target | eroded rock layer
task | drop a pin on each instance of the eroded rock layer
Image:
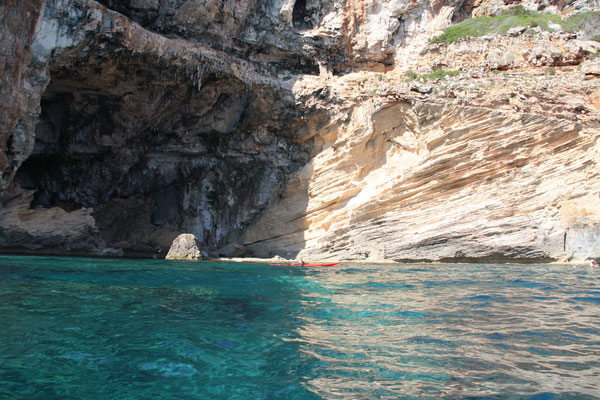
(410, 180)
(317, 128)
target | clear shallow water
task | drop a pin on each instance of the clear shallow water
(147, 329)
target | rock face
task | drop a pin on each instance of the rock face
(20, 101)
(48, 230)
(291, 128)
(441, 181)
(185, 247)
(166, 134)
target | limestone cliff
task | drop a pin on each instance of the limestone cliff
(330, 129)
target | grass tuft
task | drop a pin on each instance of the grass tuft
(588, 22)
(437, 74)
(411, 75)
(440, 74)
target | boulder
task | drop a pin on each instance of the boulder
(48, 230)
(185, 247)
(516, 31)
(500, 59)
(544, 55)
(423, 89)
(555, 27)
(577, 50)
(591, 67)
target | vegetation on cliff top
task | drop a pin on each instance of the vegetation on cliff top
(437, 74)
(589, 22)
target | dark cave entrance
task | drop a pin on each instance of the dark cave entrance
(151, 157)
(70, 156)
(47, 159)
(301, 17)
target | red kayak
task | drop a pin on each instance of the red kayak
(307, 265)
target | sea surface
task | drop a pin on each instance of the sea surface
(78, 328)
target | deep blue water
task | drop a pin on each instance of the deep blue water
(76, 328)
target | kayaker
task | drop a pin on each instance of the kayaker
(301, 261)
(593, 263)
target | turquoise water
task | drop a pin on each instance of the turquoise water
(75, 328)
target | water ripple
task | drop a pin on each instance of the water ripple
(129, 329)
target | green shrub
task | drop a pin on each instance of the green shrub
(440, 74)
(411, 75)
(473, 27)
(437, 74)
(589, 22)
(517, 10)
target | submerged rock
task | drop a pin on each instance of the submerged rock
(185, 247)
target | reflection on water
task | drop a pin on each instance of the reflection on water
(455, 331)
(132, 329)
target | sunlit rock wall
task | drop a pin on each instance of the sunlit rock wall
(421, 181)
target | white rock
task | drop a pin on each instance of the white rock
(185, 247)
(555, 27)
(516, 31)
(500, 59)
(591, 67)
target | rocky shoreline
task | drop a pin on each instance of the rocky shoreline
(280, 260)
